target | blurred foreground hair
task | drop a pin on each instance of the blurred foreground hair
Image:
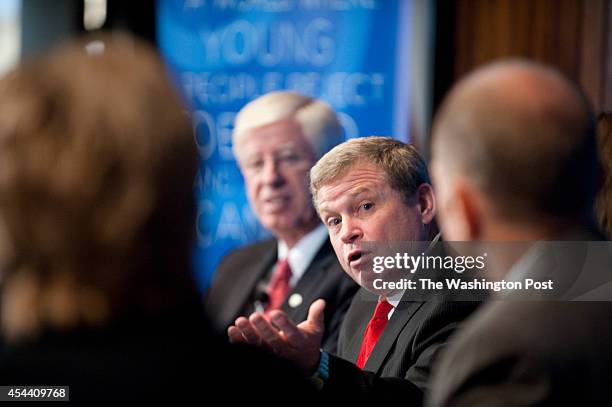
(97, 162)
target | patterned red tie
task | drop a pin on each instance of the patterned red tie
(373, 330)
(279, 287)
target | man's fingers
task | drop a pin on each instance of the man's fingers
(267, 332)
(291, 331)
(235, 335)
(248, 331)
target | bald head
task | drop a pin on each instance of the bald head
(524, 135)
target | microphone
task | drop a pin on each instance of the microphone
(261, 297)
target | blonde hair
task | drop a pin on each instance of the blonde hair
(402, 165)
(317, 120)
(98, 162)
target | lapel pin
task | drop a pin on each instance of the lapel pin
(295, 300)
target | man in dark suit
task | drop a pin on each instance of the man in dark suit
(277, 138)
(514, 159)
(372, 189)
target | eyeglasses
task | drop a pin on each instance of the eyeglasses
(285, 159)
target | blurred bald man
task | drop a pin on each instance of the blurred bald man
(514, 159)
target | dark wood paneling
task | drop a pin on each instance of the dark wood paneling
(608, 70)
(572, 35)
(592, 49)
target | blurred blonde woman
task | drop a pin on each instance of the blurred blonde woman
(97, 163)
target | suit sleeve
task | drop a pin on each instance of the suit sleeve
(348, 383)
(470, 375)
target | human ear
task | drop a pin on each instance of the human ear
(426, 203)
(467, 212)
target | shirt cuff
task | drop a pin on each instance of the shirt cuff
(322, 373)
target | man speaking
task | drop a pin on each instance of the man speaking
(372, 189)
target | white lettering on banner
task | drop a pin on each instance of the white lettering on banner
(219, 180)
(215, 135)
(279, 6)
(303, 82)
(316, 40)
(270, 44)
(239, 43)
(352, 89)
(270, 6)
(225, 126)
(271, 81)
(230, 224)
(340, 89)
(219, 88)
(337, 5)
(205, 137)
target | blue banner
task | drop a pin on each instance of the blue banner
(224, 53)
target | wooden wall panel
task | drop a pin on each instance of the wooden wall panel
(608, 70)
(572, 35)
(592, 68)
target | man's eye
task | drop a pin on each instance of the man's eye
(333, 222)
(255, 165)
(367, 206)
(289, 158)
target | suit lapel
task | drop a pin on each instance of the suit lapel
(402, 314)
(404, 311)
(309, 281)
(250, 277)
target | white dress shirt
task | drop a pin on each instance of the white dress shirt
(301, 255)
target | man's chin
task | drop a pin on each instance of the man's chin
(370, 281)
(289, 229)
(281, 223)
(366, 280)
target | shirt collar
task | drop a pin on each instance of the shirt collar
(301, 255)
(395, 298)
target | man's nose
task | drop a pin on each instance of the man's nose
(351, 231)
(272, 174)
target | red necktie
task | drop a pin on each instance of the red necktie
(279, 287)
(373, 330)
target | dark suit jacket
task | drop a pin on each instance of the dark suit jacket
(527, 353)
(235, 286)
(399, 367)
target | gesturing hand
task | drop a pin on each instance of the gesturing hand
(298, 343)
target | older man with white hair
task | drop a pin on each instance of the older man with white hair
(277, 138)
